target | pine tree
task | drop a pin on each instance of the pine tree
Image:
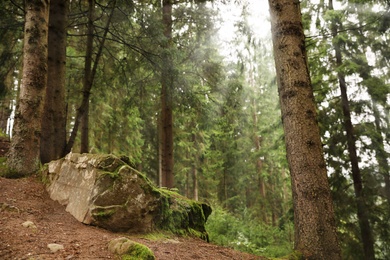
(315, 230)
(23, 157)
(53, 138)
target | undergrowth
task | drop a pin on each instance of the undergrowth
(249, 235)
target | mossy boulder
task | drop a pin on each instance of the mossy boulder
(105, 191)
(127, 249)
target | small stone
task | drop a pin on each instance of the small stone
(128, 249)
(55, 247)
(29, 224)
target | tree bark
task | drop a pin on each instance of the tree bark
(23, 157)
(315, 228)
(167, 80)
(53, 139)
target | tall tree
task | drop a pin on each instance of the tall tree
(362, 210)
(53, 139)
(315, 230)
(23, 157)
(167, 82)
(353, 78)
(90, 68)
(10, 58)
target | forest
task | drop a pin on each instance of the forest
(278, 119)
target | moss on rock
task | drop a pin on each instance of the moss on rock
(127, 249)
(105, 191)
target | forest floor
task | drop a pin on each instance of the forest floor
(25, 199)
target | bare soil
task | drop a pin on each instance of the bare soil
(25, 199)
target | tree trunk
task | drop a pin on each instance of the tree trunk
(53, 139)
(362, 211)
(5, 112)
(380, 152)
(315, 228)
(88, 80)
(89, 76)
(195, 173)
(84, 143)
(167, 99)
(259, 162)
(23, 157)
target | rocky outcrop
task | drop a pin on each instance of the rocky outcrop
(103, 190)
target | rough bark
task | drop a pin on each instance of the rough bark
(84, 140)
(362, 210)
(166, 140)
(23, 157)
(53, 139)
(315, 228)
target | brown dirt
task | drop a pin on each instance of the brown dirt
(25, 199)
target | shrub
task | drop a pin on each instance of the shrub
(249, 235)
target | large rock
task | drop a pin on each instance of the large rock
(103, 190)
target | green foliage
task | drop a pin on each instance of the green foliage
(249, 235)
(364, 66)
(3, 167)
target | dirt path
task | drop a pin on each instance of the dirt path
(25, 199)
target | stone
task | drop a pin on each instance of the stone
(128, 249)
(55, 247)
(29, 224)
(104, 191)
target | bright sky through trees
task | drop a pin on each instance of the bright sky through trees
(258, 20)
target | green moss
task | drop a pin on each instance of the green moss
(158, 236)
(103, 213)
(113, 175)
(128, 249)
(3, 167)
(138, 251)
(295, 255)
(44, 177)
(9, 173)
(180, 215)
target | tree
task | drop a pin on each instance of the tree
(10, 57)
(315, 229)
(350, 87)
(23, 157)
(167, 82)
(362, 212)
(53, 138)
(90, 69)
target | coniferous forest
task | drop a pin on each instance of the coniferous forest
(280, 121)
